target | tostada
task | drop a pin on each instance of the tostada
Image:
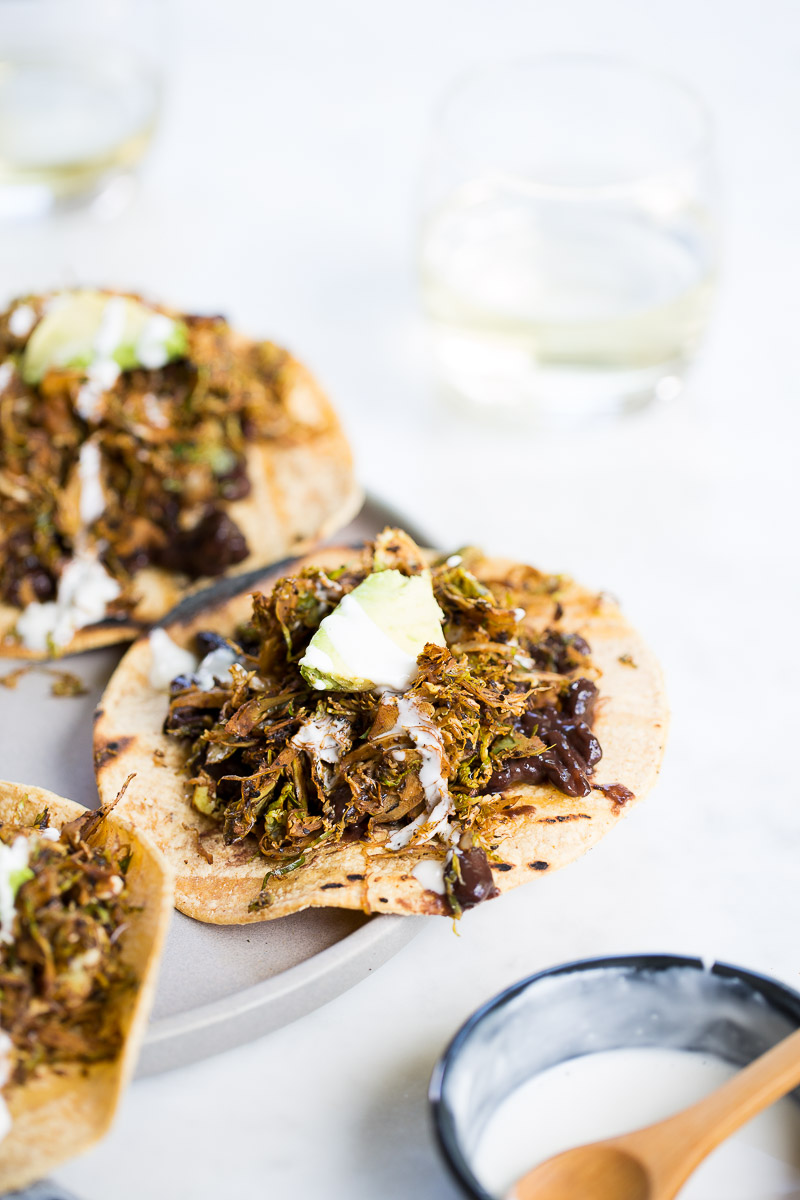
(143, 450)
(381, 729)
(84, 906)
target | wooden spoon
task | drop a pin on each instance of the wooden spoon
(653, 1163)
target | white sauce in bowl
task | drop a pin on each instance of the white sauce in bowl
(615, 1091)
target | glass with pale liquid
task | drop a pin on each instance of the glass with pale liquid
(80, 88)
(567, 251)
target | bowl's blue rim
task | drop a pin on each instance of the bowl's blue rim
(779, 996)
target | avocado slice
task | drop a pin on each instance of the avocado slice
(374, 635)
(85, 327)
(18, 877)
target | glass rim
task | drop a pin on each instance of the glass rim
(702, 143)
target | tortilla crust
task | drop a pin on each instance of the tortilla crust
(59, 1115)
(543, 831)
(303, 491)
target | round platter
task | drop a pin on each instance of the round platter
(220, 986)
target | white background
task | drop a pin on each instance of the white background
(281, 192)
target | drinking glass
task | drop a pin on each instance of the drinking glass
(567, 251)
(80, 87)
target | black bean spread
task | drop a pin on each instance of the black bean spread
(571, 752)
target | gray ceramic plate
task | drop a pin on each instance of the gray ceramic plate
(220, 986)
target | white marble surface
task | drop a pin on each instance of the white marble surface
(281, 191)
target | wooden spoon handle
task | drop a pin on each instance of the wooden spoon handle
(677, 1145)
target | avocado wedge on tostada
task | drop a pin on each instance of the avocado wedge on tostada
(381, 729)
(144, 450)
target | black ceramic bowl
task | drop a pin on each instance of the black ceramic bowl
(597, 1004)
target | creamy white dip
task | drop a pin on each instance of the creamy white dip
(615, 1091)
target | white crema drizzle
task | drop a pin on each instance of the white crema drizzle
(85, 590)
(439, 808)
(325, 738)
(13, 859)
(92, 499)
(168, 660)
(151, 349)
(22, 320)
(430, 873)
(104, 371)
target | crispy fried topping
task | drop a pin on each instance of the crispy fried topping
(62, 971)
(171, 448)
(272, 758)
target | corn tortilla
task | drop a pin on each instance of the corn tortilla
(544, 830)
(303, 490)
(59, 1114)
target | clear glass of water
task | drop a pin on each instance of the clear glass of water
(567, 249)
(80, 89)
